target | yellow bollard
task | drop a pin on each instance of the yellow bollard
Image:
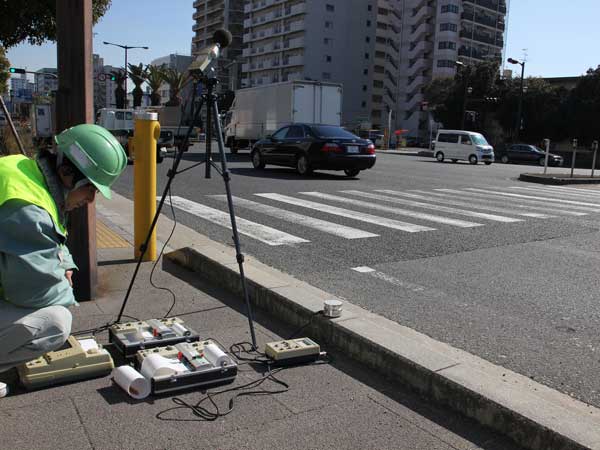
(146, 133)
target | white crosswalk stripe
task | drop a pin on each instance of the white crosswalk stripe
(393, 210)
(254, 230)
(460, 212)
(547, 199)
(300, 219)
(594, 192)
(568, 194)
(363, 217)
(568, 210)
(431, 197)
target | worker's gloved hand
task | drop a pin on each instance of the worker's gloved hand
(68, 275)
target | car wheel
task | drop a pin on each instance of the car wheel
(351, 172)
(257, 160)
(303, 166)
(487, 163)
(542, 161)
(439, 156)
(455, 160)
(473, 159)
(504, 159)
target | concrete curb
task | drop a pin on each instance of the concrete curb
(532, 414)
(554, 180)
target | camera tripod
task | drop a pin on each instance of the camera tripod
(210, 99)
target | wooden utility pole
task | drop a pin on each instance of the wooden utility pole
(74, 105)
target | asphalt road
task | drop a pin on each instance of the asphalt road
(511, 278)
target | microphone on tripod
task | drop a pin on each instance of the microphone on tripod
(202, 64)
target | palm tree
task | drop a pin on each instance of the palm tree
(138, 75)
(155, 81)
(120, 94)
(176, 81)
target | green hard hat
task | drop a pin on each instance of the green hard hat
(95, 152)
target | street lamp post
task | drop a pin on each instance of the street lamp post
(126, 48)
(468, 90)
(520, 109)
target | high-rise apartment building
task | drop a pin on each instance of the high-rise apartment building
(323, 40)
(211, 15)
(436, 34)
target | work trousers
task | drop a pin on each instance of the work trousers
(26, 334)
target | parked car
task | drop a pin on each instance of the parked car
(463, 145)
(530, 154)
(309, 147)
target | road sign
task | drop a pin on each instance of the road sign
(101, 77)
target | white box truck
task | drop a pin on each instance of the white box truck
(260, 111)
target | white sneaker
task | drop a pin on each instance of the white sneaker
(3, 390)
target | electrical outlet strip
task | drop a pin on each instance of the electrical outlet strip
(293, 351)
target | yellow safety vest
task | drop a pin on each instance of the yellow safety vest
(22, 179)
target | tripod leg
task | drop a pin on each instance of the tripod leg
(171, 176)
(236, 239)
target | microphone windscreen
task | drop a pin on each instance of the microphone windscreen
(222, 37)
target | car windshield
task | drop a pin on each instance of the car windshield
(332, 132)
(539, 150)
(478, 139)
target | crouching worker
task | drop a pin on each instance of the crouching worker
(35, 264)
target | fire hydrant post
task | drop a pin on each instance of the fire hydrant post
(146, 133)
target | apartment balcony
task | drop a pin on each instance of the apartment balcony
(480, 37)
(295, 10)
(293, 43)
(214, 20)
(246, 67)
(289, 61)
(213, 7)
(414, 103)
(492, 22)
(247, 23)
(258, 5)
(493, 5)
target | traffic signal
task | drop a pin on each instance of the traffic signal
(16, 70)
(113, 78)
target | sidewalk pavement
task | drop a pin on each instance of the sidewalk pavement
(337, 406)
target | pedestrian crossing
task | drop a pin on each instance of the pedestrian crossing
(366, 214)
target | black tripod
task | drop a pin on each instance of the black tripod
(209, 98)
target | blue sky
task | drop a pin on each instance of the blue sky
(560, 40)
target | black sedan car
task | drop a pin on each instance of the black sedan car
(530, 154)
(310, 147)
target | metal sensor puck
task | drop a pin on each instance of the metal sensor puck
(332, 308)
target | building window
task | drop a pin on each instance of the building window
(364, 88)
(326, 41)
(329, 8)
(363, 104)
(326, 76)
(447, 45)
(366, 56)
(328, 24)
(448, 27)
(368, 23)
(369, 7)
(446, 63)
(377, 99)
(327, 58)
(365, 71)
(450, 9)
(367, 39)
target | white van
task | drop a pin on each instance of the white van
(463, 145)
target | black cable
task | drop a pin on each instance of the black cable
(162, 250)
(203, 414)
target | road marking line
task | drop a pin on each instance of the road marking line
(461, 212)
(594, 192)
(427, 196)
(556, 200)
(399, 211)
(530, 204)
(363, 217)
(300, 219)
(569, 194)
(363, 269)
(262, 233)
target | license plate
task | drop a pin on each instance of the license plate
(352, 149)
